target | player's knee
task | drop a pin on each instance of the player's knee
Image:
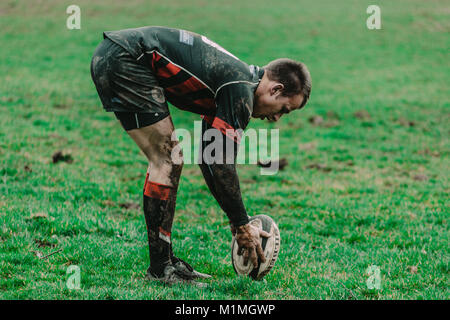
(176, 155)
(170, 152)
(166, 166)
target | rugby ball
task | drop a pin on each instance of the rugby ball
(270, 246)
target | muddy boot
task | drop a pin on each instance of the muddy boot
(171, 276)
(185, 270)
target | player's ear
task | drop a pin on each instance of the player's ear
(276, 89)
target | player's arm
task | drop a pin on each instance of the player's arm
(220, 176)
(219, 167)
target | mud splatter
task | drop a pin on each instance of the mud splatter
(332, 115)
(44, 243)
(315, 120)
(406, 123)
(129, 205)
(362, 115)
(59, 156)
(319, 166)
(420, 177)
(412, 269)
(307, 146)
(428, 152)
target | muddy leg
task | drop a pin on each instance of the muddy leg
(160, 189)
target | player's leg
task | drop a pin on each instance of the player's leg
(160, 189)
(132, 92)
(159, 199)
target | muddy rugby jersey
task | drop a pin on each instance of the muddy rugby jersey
(196, 74)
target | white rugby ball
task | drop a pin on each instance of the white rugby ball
(270, 246)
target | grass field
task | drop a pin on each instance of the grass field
(368, 175)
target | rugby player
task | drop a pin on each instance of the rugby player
(138, 71)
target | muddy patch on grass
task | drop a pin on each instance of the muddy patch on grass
(59, 156)
(124, 205)
(61, 106)
(316, 120)
(332, 115)
(428, 152)
(412, 269)
(406, 123)
(420, 177)
(332, 120)
(130, 205)
(362, 115)
(38, 215)
(307, 146)
(44, 243)
(319, 166)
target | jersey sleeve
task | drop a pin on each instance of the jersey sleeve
(234, 107)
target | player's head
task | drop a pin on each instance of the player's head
(285, 86)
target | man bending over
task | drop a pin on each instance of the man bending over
(138, 71)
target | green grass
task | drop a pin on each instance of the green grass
(379, 198)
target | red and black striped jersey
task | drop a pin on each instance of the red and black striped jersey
(197, 75)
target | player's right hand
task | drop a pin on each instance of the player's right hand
(248, 238)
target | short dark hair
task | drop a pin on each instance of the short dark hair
(294, 76)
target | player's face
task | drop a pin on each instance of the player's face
(272, 105)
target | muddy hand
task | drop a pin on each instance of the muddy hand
(248, 238)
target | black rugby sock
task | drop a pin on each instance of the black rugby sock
(159, 212)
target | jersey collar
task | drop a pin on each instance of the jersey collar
(257, 75)
(260, 73)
